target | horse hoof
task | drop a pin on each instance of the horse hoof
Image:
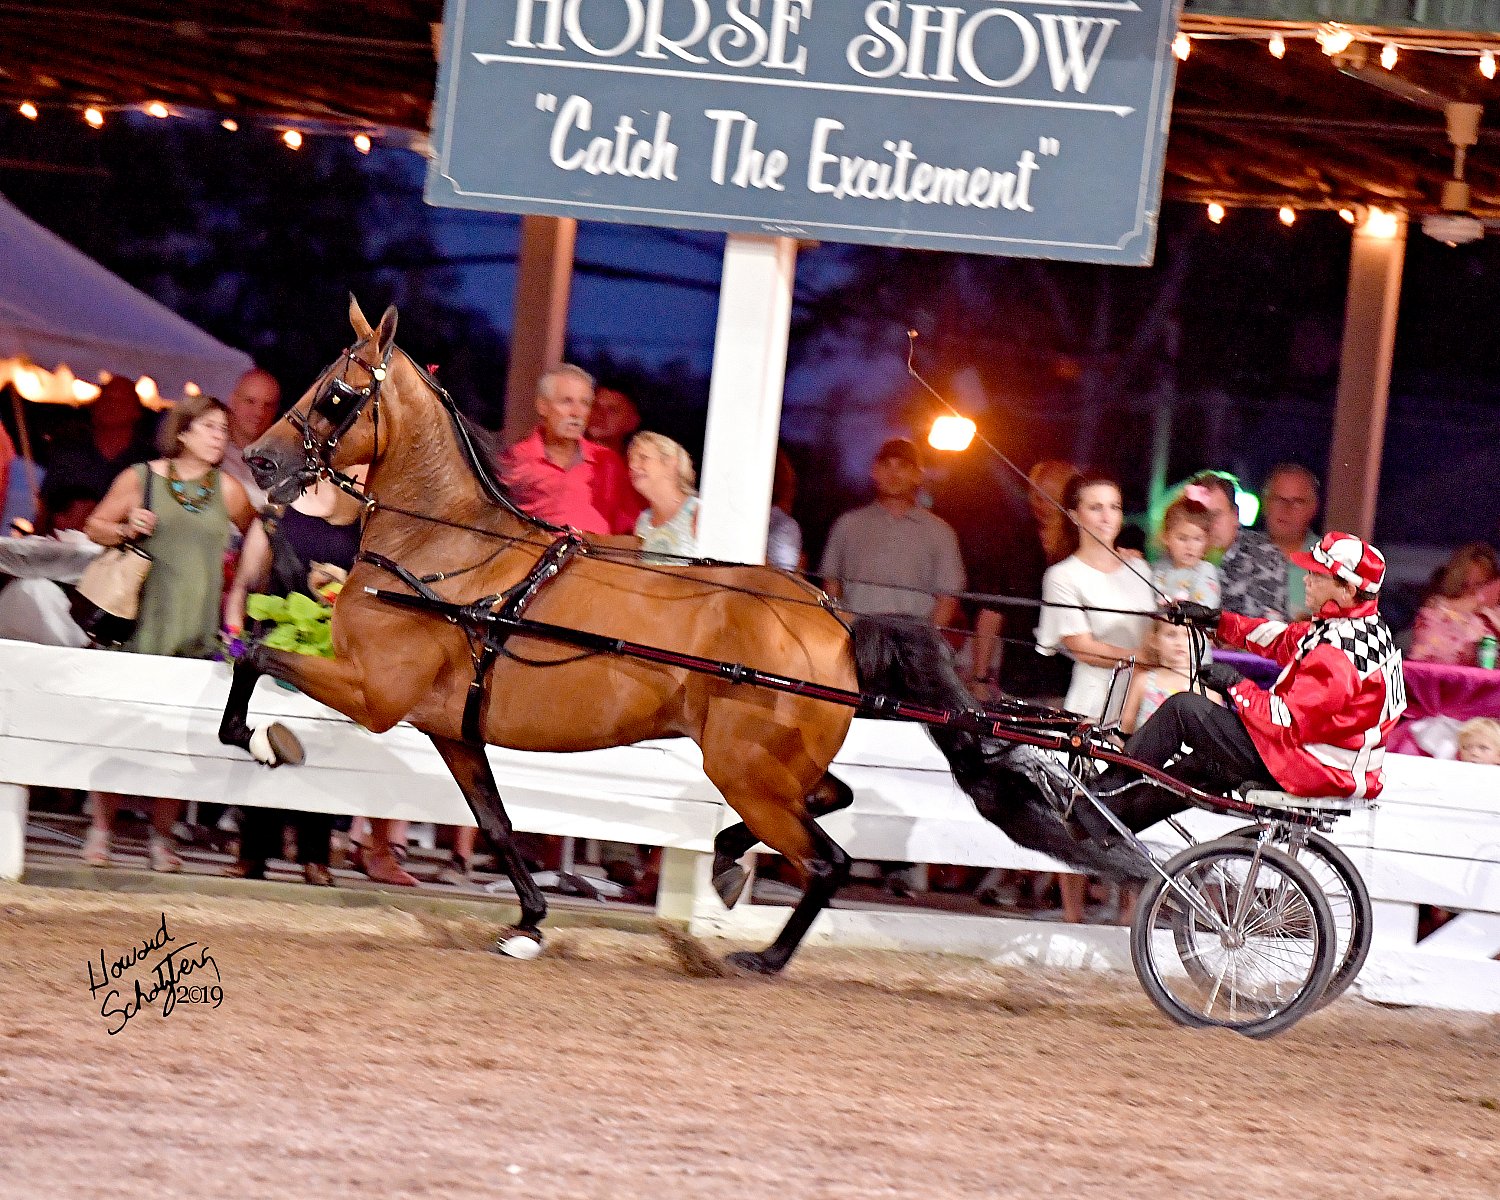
(275, 744)
(730, 883)
(751, 962)
(519, 943)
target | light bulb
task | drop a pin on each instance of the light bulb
(1347, 214)
(1334, 39)
(951, 433)
(94, 117)
(1182, 46)
(1487, 64)
(28, 110)
(1216, 212)
(293, 139)
(1277, 46)
(1287, 215)
(362, 142)
(1389, 55)
(158, 110)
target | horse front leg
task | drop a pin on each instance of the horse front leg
(271, 744)
(471, 769)
(329, 681)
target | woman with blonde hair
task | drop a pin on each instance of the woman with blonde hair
(662, 472)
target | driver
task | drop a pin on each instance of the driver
(1319, 730)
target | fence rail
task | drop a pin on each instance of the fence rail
(135, 724)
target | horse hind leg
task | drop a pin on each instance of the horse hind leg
(271, 744)
(824, 866)
(831, 795)
(471, 769)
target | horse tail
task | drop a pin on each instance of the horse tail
(909, 660)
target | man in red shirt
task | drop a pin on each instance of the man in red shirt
(557, 474)
(1319, 730)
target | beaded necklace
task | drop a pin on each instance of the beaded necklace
(193, 495)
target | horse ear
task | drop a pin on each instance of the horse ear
(386, 334)
(357, 319)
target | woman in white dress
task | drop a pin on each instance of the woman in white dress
(1094, 578)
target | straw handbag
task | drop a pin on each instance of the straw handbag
(107, 599)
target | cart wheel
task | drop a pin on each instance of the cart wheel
(1251, 933)
(1348, 900)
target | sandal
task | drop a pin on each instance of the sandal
(96, 848)
(164, 859)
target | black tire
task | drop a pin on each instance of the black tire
(1278, 922)
(1353, 916)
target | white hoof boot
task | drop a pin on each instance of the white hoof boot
(275, 744)
(519, 945)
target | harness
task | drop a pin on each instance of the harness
(489, 622)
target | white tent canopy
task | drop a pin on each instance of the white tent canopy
(59, 306)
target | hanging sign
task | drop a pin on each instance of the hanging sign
(1028, 127)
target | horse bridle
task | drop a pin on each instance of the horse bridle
(340, 403)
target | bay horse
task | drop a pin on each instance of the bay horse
(440, 523)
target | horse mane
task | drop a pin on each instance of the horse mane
(481, 450)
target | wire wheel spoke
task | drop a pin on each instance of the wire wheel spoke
(1252, 936)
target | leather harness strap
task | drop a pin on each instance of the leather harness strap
(486, 636)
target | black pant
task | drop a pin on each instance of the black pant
(1223, 756)
(260, 835)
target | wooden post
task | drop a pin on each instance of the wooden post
(13, 805)
(1365, 372)
(544, 279)
(744, 400)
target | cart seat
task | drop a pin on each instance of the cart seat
(1329, 806)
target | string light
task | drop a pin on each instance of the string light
(362, 142)
(1487, 64)
(28, 110)
(230, 124)
(1388, 56)
(293, 139)
(94, 117)
(158, 110)
(1334, 38)
(1216, 212)
(1182, 46)
(1348, 215)
(1287, 215)
(1277, 46)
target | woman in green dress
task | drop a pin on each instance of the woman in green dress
(182, 508)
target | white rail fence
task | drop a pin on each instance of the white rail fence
(134, 724)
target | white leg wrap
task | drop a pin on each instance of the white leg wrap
(260, 748)
(519, 945)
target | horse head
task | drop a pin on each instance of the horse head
(335, 424)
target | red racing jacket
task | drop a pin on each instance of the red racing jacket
(1321, 727)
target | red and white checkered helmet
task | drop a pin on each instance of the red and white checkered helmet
(1345, 557)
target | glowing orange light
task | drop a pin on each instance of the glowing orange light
(951, 433)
